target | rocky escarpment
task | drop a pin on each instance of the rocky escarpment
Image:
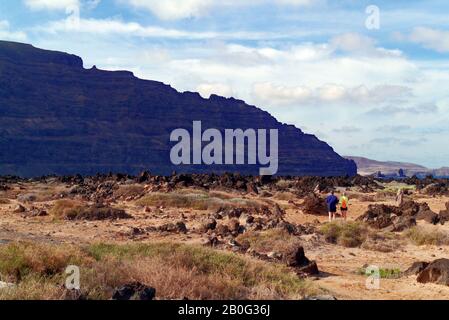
(58, 118)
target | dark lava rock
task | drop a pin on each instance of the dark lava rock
(178, 227)
(19, 209)
(436, 272)
(310, 269)
(314, 205)
(416, 268)
(295, 257)
(222, 230)
(234, 226)
(443, 216)
(134, 291)
(252, 188)
(210, 224)
(394, 218)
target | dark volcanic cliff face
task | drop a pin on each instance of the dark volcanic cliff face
(58, 118)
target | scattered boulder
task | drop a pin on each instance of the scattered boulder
(296, 258)
(252, 188)
(222, 230)
(209, 224)
(381, 216)
(26, 198)
(314, 205)
(178, 227)
(234, 227)
(416, 268)
(443, 216)
(321, 298)
(436, 272)
(435, 189)
(135, 291)
(19, 209)
(211, 241)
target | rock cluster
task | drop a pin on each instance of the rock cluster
(392, 218)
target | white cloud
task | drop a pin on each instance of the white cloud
(51, 4)
(207, 89)
(7, 34)
(437, 40)
(327, 94)
(133, 29)
(182, 9)
(67, 5)
(281, 95)
(360, 44)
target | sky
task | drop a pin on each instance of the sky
(368, 77)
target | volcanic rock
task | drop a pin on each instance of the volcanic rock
(416, 268)
(435, 272)
(295, 257)
(314, 205)
(134, 291)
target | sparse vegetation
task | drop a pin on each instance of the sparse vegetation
(347, 234)
(176, 271)
(196, 200)
(381, 242)
(73, 210)
(285, 196)
(384, 273)
(426, 236)
(276, 240)
(133, 190)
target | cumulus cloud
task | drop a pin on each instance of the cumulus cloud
(328, 93)
(420, 109)
(434, 39)
(207, 89)
(7, 34)
(347, 129)
(356, 43)
(182, 9)
(405, 142)
(116, 26)
(60, 4)
(51, 4)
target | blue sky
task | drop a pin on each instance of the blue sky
(380, 93)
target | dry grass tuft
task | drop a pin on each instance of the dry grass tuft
(195, 200)
(347, 234)
(133, 190)
(427, 236)
(74, 210)
(175, 270)
(273, 240)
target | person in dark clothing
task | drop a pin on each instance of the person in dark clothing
(332, 202)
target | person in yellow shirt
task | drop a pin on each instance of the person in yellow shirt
(344, 206)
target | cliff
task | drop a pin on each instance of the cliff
(58, 118)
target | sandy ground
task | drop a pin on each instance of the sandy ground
(339, 265)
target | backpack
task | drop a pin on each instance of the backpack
(344, 205)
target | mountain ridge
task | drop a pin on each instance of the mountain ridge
(56, 117)
(368, 166)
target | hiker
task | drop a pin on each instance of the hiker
(344, 206)
(400, 197)
(332, 202)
